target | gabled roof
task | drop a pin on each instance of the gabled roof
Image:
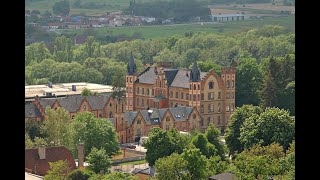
(97, 102)
(170, 75)
(148, 76)
(71, 103)
(46, 102)
(31, 111)
(130, 116)
(52, 154)
(180, 113)
(181, 79)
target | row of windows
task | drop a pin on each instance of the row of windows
(142, 102)
(194, 87)
(130, 79)
(228, 95)
(228, 84)
(143, 92)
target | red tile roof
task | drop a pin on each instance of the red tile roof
(53, 154)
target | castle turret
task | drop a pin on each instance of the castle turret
(194, 86)
(228, 76)
(131, 77)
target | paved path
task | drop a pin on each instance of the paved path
(28, 176)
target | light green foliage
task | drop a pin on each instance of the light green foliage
(235, 123)
(38, 142)
(99, 161)
(216, 165)
(63, 49)
(86, 92)
(114, 176)
(171, 167)
(94, 132)
(273, 125)
(196, 163)
(27, 141)
(56, 128)
(35, 53)
(212, 133)
(205, 66)
(80, 174)
(58, 170)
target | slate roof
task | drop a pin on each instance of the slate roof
(31, 111)
(170, 75)
(181, 79)
(46, 102)
(147, 76)
(130, 116)
(97, 102)
(180, 113)
(71, 103)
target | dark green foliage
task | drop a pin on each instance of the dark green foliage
(61, 8)
(201, 142)
(99, 161)
(213, 135)
(33, 129)
(80, 174)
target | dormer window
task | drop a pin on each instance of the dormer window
(84, 106)
(139, 121)
(167, 119)
(211, 85)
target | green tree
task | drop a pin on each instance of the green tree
(273, 125)
(196, 163)
(216, 165)
(35, 53)
(38, 142)
(27, 141)
(119, 82)
(61, 8)
(32, 128)
(86, 92)
(56, 128)
(205, 66)
(80, 174)
(95, 132)
(213, 134)
(171, 167)
(248, 82)
(179, 141)
(158, 145)
(114, 176)
(236, 121)
(58, 170)
(201, 142)
(63, 49)
(99, 161)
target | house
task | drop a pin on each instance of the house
(229, 17)
(223, 176)
(37, 159)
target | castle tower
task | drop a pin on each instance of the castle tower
(194, 87)
(131, 77)
(228, 76)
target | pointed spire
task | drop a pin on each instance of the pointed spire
(131, 68)
(195, 73)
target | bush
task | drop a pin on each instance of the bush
(80, 174)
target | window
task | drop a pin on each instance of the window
(181, 95)
(228, 95)
(130, 89)
(202, 96)
(201, 108)
(167, 119)
(131, 79)
(219, 95)
(110, 114)
(211, 85)
(147, 102)
(228, 84)
(198, 86)
(190, 86)
(139, 121)
(84, 106)
(142, 102)
(160, 84)
(198, 97)
(138, 90)
(152, 92)
(194, 97)
(142, 90)
(201, 122)
(130, 102)
(171, 94)
(209, 107)
(177, 95)
(138, 132)
(219, 107)
(171, 104)
(219, 120)
(187, 96)
(232, 97)
(148, 92)
(232, 83)
(127, 79)
(194, 87)
(227, 108)
(209, 120)
(110, 105)
(210, 96)
(137, 103)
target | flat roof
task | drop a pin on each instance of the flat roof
(64, 89)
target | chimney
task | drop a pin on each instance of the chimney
(80, 154)
(50, 84)
(42, 152)
(74, 88)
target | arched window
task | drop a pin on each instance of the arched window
(167, 119)
(211, 85)
(228, 84)
(232, 83)
(139, 121)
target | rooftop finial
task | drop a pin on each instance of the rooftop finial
(131, 68)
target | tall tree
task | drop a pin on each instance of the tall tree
(63, 49)
(171, 167)
(213, 134)
(56, 128)
(95, 132)
(99, 161)
(235, 122)
(248, 82)
(200, 141)
(196, 163)
(58, 170)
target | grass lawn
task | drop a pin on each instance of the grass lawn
(133, 162)
(161, 31)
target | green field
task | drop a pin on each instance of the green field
(160, 31)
